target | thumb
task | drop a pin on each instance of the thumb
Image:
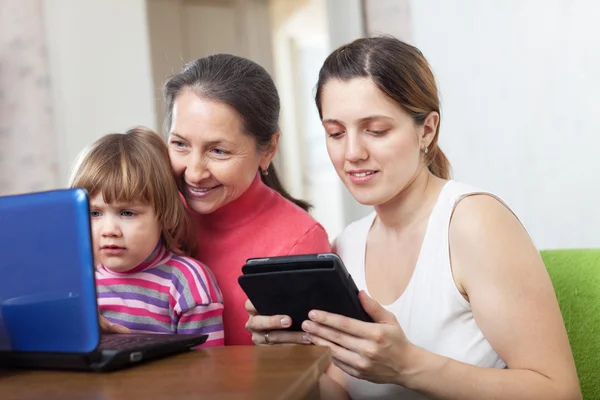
(375, 310)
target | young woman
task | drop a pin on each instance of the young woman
(462, 303)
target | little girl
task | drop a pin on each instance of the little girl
(142, 239)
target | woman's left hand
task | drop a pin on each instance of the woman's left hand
(378, 352)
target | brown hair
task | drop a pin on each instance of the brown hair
(243, 85)
(135, 167)
(401, 72)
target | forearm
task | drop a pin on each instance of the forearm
(444, 378)
(329, 389)
(332, 384)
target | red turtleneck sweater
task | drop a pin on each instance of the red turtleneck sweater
(260, 223)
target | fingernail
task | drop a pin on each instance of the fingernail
(306, 338)
(286, 321)
(312, 315)
(306, 326)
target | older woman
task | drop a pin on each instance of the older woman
(222, 125)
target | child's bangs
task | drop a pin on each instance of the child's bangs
(124, 183)
(121, 188)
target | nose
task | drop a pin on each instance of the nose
(196, 169)
(110, 226)
(355, 148)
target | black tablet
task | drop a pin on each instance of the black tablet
(294, 285)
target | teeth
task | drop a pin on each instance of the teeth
(200, 190)
(361, 174)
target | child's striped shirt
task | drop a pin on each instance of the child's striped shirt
(167, 293)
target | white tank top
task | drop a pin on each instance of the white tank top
(431, 311)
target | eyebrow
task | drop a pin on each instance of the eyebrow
(208, 143)
(178, 135)
(130, 203)
(361, 120)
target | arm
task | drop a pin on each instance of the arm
(495, 266)
(498, 268)
(204, 319)
(332, 384)
(199, 303)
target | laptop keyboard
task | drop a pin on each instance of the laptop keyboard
(132, 340)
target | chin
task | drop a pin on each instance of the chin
(201, 207)
(119, 268)
(369, 197)
(367, 200)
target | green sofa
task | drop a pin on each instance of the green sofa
(575, 275)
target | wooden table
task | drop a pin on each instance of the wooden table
(235, 372)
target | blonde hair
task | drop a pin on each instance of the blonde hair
(135, 167)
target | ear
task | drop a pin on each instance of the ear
(429, 128)
(267, 156)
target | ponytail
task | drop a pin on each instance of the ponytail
(438, 163)
(271, 180)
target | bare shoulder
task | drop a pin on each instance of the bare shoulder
(481, 214)
(500, 272)
(484, 233)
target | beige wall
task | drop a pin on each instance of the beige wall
(184, 30)
(390, 17)
(28, 142)
(520, 90)
(100, 71)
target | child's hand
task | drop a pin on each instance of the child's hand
(108, 327)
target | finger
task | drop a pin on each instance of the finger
(266, 323)
(250, 307)
(340, 338)
(347, 369)
(107, 326)
(280, 337)
(116, 328)
(376, 310)
(104, 323)
(350, 360)
(341, 323)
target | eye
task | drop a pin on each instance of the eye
(335, 135)
(128, 213)
(94, 214)
(219, 152)
(178, 143)
(378, 132)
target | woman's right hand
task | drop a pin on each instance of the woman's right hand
(269, 329)
(108, 327)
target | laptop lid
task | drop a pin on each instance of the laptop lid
(47, 284)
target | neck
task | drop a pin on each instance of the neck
(412, 204)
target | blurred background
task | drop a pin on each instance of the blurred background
(519, 82)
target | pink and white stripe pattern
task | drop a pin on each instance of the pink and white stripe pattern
(167, 293)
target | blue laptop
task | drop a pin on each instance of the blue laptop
(48, 309)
